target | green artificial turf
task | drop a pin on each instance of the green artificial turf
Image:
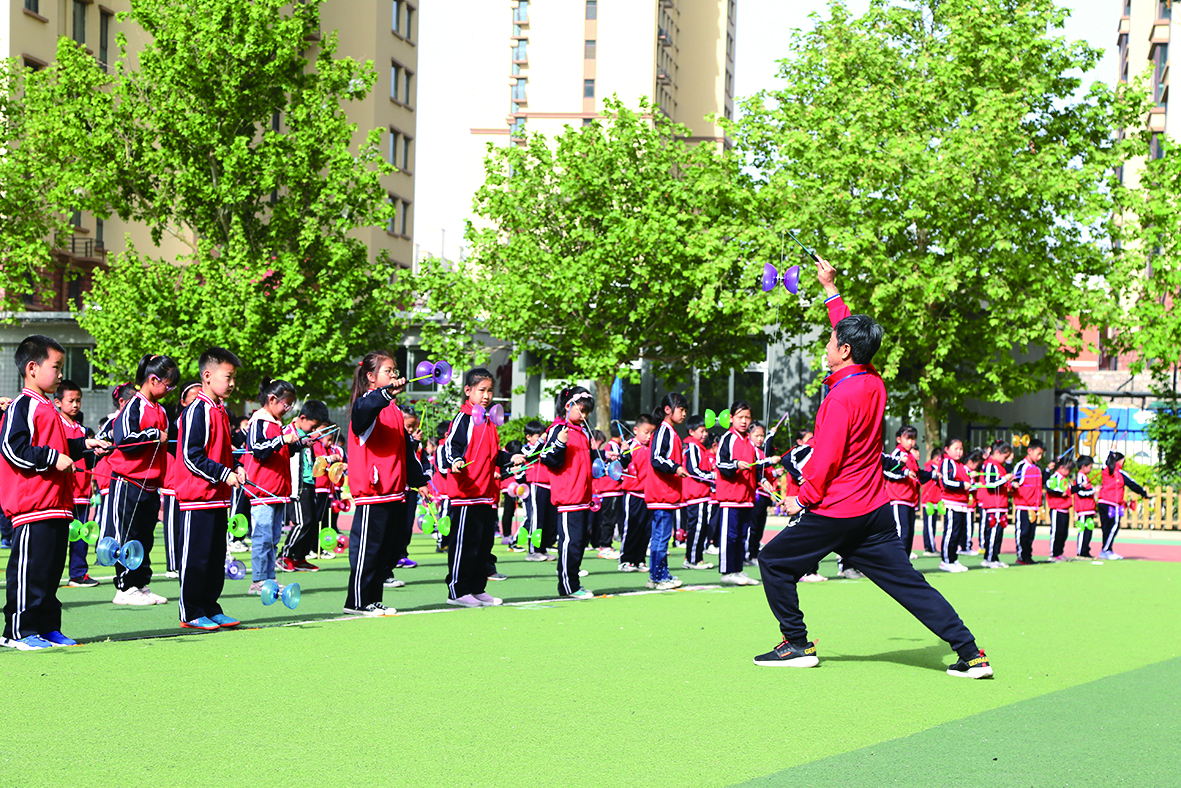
(641, 690)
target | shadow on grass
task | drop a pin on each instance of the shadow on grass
(932, 657)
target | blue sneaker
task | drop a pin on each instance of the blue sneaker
(204, 623)
(5, 544)
(222, 620)
(30, 643)
(58, 639)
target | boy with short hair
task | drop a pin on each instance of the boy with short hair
(206, 471)
(992, 493)
(37, 494)
(537, 477)
(68, 400)
(636, 524)
(931, 497)
(696, 487)
(1027, 499)
(1084, 505)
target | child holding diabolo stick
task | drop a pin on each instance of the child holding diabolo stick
(696, 491)
(662, 490)
(68, 400)
(1113, 481)
(738, 468)
(36, 491)
(1058, 501)
(902, 484)
(636, 517)
(567, 455)
(472, 451)
(379, 449)
(1027, 499)
(1084, 504)
(992, 493)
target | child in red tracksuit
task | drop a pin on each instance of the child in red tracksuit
(378, 447)
(140, 435)
(902, 484)
(1084, 504)
(205, 473)
(1058, 501)
(472, 452)
(610, 492)
(68, 400)
(537, 477)
(699, 462)
(1027, 499)
(931, 497)
(567, 455)
(36, 492)
(268, 464)
(636, 523)
(1114, 481)
(992, 493)
(739, 467)
(662, 489)
(170, 508)
(956, 481)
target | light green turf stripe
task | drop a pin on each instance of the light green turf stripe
(1121, 730)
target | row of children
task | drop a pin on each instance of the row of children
(975, 493)
(697, 492)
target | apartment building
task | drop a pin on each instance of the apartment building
(382, 31)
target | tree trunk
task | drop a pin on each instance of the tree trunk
(931, 424)
(603, 404)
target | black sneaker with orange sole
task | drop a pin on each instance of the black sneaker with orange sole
(975, 668)
(790, 655)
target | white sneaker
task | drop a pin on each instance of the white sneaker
(487, 600)
(813, 578)
(850, 574)
(132, 596)
(738, 579)
(625, 567)
(156, 598)
(583, 573)
(238, 546)
(536, 557)
(369, 611)
(467, 600)
(913, 555)
(393, 582)
(946, 567)
(959, 567)
(172, 574)
(750, 581)
(384, 611)
(609, 553)
(668, 585)
(711, 550)
(999, 565)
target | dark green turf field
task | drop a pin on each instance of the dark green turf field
(629, 690)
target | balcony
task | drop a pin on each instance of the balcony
(662, 77)
(521, 13)
(664, 37)
(80, 247)
(668, 3)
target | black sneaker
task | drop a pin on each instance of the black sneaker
(790, 655)
(86, 581)
(977, 668)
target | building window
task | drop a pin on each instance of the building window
(1155, 151)
(104, 38)
(80, 21)
(33, 65)
(587, 121)
(33, 5)
(394, 201)
(99, 227)
(395, 78)
(521, 12)
(406, 153)
(734, 7)
(404, 219)
(77, 365)
(592, 9)
(409, 22)
(1161, 56)
(394, 137)
(729, 46)
(1164, 9)
(520, 51)
(398, 17)
(76, 218)
(729, 84)
(517, 129)
(519, 90)
(406, 84)
(588, 50)
(588, 88)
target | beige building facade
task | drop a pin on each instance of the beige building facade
(541, 65)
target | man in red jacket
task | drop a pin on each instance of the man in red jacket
(844, 505)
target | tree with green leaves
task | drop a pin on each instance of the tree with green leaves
(42, 180)
(938, 154)
(610, 243)
(229, 133)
